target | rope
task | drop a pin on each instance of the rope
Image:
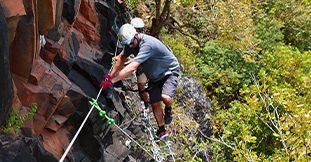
(89, 113)
(155, 148)
(76, 135)
(103, 114)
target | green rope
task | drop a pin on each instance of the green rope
(101, 112)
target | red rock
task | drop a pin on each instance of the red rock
(87, 9)
(46, 15)
(66, 107)
(50, 49)
(60, 119)
(13, 8)
(52, 125)
(25, 46)
(88, 29)
(13, 11)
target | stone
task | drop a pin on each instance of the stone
(117, 150)
(46, 15)
(202, 105)
(60, 119)
(52, 125)
(50, 50)
(88, 29)
(6, 93)
(69, 11)
(25, 46)
(27, 128)
(24, 149)
(13, 8)
(66, 107)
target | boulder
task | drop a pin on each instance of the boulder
(13, 11)
(46, 15)
(23, 149)
(25, 46)
(202, 108)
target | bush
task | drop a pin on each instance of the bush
(272, 120)
(184, 53)
(16, 119)
(223, 71)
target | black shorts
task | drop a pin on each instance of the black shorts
(167, 86)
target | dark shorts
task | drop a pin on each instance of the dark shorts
(167, 86)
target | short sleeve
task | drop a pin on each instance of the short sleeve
(143, 54)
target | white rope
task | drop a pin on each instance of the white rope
(155, 149)
(81, 126)
(133, 140)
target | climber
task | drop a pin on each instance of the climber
(139, 25)
(158, 63)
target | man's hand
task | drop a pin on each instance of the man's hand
(106, 82)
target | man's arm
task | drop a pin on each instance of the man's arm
(119, 64)
(126, 71)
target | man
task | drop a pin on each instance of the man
(139, 25)
(158, 63)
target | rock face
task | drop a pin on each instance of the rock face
(6, 92)
(59, 50)
(202, 106)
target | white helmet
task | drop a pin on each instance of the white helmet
(137, 22)
(126, 34)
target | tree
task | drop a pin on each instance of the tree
(162, 15)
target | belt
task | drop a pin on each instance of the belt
(175, 74)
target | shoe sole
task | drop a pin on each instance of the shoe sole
(164, 137)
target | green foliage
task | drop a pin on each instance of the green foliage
(184, 130)
(132, 4)
(235, 25)
(292, 17)
(223, 71)
(181, 50)
(268, 33)
(272, 122)
(256, 66)
(16, 119)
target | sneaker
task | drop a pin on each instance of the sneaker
(168, 115)
(160, 135)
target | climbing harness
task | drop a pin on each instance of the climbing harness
(155, 148)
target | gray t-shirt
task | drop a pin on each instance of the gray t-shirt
(155, 58)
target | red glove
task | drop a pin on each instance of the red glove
(106, 77)
(107, 82)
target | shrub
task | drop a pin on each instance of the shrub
(223, 71)
(16, 119)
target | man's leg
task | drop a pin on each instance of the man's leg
(141, 83)
(155, 90)
(143, 94)
(168, 92)
(158, 113)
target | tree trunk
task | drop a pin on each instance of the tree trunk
(160, 17)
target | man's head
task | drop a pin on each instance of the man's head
(138, 24)
(128, 35)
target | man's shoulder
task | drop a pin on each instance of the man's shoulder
(148, 38)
